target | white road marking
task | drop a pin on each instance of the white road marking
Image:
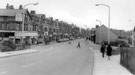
(3, 72)
(51, 48)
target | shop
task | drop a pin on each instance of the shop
(32, 37)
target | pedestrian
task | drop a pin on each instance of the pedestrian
(102, 50)
(109, 51)
(78, 45)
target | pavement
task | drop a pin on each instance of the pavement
(103, 66)
(33, 49)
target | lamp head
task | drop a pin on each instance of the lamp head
(36, 3)
(96, 4)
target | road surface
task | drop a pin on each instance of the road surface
(55, 59)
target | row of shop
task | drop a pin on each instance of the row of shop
(20, 37)
(32, 37)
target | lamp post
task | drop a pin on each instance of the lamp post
(86, 34)
(100, 30)
(108, 19)
(132, 33)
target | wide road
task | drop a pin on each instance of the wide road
(55, 59)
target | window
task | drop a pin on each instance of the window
(0, 26)
(45, 29)
(20, 27)
(34, 27)
(50, 29)
(3, 26)
(25, 27)
(53, 30)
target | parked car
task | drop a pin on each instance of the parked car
(71, 38)
(63, 40)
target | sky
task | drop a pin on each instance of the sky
(84, 13)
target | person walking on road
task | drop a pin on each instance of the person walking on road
(109, 51)
(78, 45)
(102, 50)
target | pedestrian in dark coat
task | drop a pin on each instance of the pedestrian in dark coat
(78, 45)
(102, 50)
(109, 51)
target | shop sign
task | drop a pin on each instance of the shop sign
(18, 17)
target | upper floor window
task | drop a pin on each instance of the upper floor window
(0, 26)
(45, 29)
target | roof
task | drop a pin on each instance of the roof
(40, 15)
(11, 12)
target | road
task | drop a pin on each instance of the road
(55, 59)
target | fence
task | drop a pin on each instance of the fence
(128, 58)
(22, 46)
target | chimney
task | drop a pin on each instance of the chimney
(57, 19)
(7, 7)
(33, 12)
(20, 7)
(11, 7)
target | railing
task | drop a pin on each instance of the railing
(22, 46)
(128, 58)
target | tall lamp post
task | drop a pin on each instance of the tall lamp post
(100, 29)
(86, 30)
(132, 33)
(108, 19)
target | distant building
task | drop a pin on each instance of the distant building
(119, 33)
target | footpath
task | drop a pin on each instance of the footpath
(103, 66)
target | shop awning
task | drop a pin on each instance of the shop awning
(23, 34)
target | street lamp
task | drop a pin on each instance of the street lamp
(100, 30)
(30, 4)
(108, 20)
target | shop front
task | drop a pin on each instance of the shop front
(32, 37)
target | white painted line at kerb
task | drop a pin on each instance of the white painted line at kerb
(3, 72)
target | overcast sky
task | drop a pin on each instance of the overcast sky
(84, 12)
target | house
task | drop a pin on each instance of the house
(17, 23)
(101, 34)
